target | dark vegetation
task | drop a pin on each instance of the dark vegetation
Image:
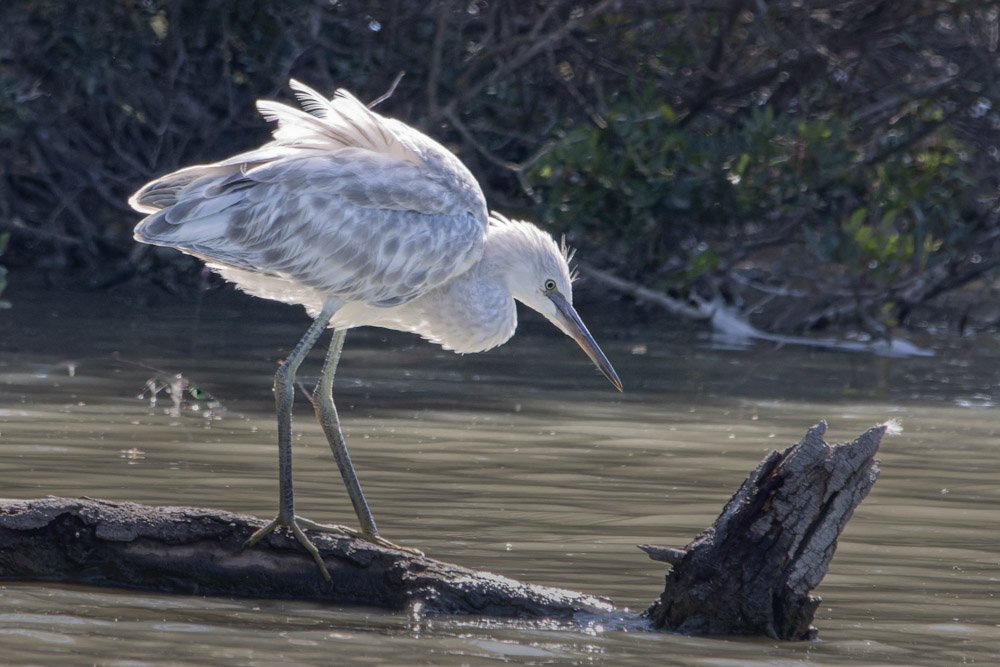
(813, 163)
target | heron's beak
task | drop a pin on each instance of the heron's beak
(567, 320)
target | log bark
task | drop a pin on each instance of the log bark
(752, 571)
(200, 551)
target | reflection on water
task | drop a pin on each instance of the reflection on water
(523, 461)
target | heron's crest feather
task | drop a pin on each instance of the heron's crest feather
(568, 254)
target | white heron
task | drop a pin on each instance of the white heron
(366, 222)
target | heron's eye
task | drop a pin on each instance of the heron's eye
(550, 285)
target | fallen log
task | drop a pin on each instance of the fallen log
(750, 573)
(730, 322)
(200, 551)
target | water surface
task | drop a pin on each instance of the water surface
(523, 461)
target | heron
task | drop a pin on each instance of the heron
(365, 221)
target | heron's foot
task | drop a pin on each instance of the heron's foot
(293, 525)
(374, 538)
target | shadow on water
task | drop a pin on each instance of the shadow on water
(523, 461)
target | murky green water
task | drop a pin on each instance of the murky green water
(523, 461)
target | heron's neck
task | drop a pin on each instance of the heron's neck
(503, 259)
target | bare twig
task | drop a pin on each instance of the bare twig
(673, 305)
(387, 94)
(434, 71)
(450, 114)
(524, 56)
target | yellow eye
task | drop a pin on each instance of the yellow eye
(550, 285)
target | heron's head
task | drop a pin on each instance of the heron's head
(538, 275)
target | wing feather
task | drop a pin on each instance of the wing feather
(342, 201)
(361, 227)
(335, 123)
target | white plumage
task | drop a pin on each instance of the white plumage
(364, 221)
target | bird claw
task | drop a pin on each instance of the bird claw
(297, 524)
(300, 536)
(373, 538)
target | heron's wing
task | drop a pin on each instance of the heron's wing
(355, 224)
(329, 125)
(344, 201)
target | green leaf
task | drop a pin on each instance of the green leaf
(853, 222)
(741, 166)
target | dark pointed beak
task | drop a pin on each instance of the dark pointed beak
(573, 326)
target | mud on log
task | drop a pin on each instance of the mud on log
(750, 573)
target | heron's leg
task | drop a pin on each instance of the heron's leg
(326, 413)
(284, 394)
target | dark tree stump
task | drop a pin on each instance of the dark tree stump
(200, 551)
(751, 572)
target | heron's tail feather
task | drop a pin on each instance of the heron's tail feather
(169, 190)
(162, 193)
(199, 199)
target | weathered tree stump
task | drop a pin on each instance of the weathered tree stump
(750, 573)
